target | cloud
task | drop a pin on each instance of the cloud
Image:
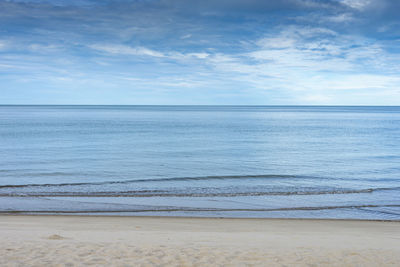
(320, 49)
(362, 82)
(269, 52)
(317, 98)
(3, 45)
(126, 50)
(186, 36)
(357, 4)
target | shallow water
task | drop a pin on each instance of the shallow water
(234, 161)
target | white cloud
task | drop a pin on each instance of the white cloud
(310, 67)
(279, 42)
(361, 82)
(186, 36)
(3, 45)
(319, 50)
(341, 18)
(356, 4)
(142, 51)
(198, 55)
(126, 50)
(44, 48)
(316, 99)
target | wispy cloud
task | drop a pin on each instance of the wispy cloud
(357, 4)
(126, 50)
(228, 52)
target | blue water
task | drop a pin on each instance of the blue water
(226, 161)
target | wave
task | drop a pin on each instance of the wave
(164, 193)
(182, 179)
(44, 174)
(199, 178)
(172, 209)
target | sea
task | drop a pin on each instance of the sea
(337, 162)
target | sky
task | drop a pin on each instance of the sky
(209, 52)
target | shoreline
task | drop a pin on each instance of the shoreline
(74, 214)
(35, 240)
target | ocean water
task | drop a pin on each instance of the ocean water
(216, 161)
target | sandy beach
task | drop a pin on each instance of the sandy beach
(168, 241)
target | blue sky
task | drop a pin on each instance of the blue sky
(289, 52)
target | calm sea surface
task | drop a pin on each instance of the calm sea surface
(228, 161)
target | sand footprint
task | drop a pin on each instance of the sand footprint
(56, 237)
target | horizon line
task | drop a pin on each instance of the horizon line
(205, 105)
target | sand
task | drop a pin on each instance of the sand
(163, 241)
